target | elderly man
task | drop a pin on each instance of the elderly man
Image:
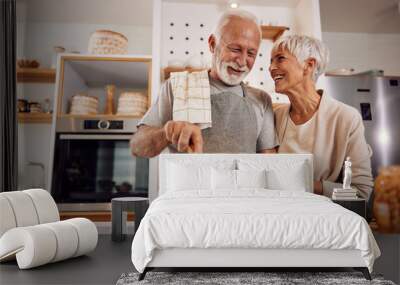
(242, 116)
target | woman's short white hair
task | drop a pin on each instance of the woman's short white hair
(304, 47)
(232, 13)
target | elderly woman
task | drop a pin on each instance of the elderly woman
(315, 123)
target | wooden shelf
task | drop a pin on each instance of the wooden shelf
(272, 32)
(95, 216)
(36, 75)
(35, 118)
(168, 70)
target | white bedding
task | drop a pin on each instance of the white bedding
(251, 218)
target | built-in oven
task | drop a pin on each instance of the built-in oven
(93, 164)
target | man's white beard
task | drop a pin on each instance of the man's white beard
(230, 79)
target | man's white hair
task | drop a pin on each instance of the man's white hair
(232, 13)
(304, 47)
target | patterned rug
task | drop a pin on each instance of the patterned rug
(243, 278)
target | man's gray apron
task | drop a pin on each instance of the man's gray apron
(234, 125)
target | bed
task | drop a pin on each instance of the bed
(225, 210)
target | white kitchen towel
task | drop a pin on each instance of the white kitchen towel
(192, 102)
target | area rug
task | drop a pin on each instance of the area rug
(244, 278)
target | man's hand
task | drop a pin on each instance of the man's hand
(186, 136)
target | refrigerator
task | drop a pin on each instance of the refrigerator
(377, 98)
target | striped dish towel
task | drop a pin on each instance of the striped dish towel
(192, 103)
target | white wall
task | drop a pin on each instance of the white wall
(33, 146)
(364, 51)
(43, 24)
(41, 37)
(308, 10)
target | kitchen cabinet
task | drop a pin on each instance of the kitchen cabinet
(89, 74)
(91, 140)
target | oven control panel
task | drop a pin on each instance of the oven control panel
(103, 125)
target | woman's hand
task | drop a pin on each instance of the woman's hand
(318, 187)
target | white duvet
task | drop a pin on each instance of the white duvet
(253, 218)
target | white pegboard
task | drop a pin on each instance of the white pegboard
(185, 32)
(185, 28)
(185, 39)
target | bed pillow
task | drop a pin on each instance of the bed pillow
(223, 179)
(292, 179)
(280, 175)
(183, 177)
(251, 178)
(228, 179)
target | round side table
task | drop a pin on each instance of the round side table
(138, 205)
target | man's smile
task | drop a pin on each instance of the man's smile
(235, 71)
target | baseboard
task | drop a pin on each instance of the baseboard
(94, 216)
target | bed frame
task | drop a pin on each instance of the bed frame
(245, 258)
(242, 259)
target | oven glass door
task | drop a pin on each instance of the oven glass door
(93, 168)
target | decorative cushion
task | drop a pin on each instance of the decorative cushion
(87, 233)
(67, 237)
(52, 242)
(45, 206)
(7, 220)
(24, 211)
(34, 244)
(26, 208)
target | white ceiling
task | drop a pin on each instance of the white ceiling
(116, 12)
(360, 16)
(352, 16)
(275, 3)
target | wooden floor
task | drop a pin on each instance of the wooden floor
(103, 266)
